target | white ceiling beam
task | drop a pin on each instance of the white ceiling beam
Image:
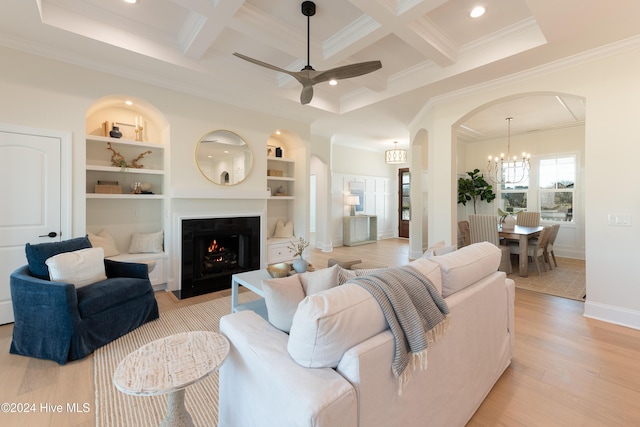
(207, 19)
(420, 33)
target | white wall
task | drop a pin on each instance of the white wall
(608, 82)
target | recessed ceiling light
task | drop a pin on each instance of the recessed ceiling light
(128, 102)
(131, 1)
(333, 82)
(477, 12)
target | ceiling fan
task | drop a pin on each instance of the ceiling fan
(308, 76)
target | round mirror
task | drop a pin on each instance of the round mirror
(223, 157)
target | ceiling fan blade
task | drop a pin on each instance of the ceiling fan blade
(262, 64)
(347, 71)
(306, 94)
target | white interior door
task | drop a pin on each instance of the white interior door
(32, 197)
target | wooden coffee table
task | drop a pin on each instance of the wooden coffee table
(169, 365)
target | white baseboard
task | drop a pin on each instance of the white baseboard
(612, 314)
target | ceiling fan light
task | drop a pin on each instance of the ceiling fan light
(477, 12)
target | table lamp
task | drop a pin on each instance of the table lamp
(353, 201)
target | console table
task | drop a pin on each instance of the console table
(359, 230)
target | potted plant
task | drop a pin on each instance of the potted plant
(473, 187)
(299, 265)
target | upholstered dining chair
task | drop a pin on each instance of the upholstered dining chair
(552, 239)
(528, 219)
(536, 249)
(484, 228)
(463, 226)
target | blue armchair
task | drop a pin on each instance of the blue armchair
(56, 321)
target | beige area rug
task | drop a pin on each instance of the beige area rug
(114, 408)
(568, 280)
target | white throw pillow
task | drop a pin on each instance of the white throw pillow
(146, 243)
(467, 265)
(282, 297)
(80, 268)
(105, 241)
(319, 280)
(329, 323)
(283, 230)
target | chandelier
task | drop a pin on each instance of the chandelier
(395, 156)
(508, 170)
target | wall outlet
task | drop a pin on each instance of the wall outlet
(619, 220)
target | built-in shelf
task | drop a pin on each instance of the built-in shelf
(124, 196)
(125, 170)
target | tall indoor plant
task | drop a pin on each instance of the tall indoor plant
(473, 188)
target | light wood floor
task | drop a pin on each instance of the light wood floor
(567, 370)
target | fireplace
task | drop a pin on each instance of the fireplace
(213, 249)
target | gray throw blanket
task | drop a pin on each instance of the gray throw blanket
(416, 313)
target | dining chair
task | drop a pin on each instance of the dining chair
(484, 228)
(536, 249)
(463, 226)
(552, 239)
(528, 219)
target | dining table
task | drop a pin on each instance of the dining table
(522, 235)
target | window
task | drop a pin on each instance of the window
(557, 179)
(513, 196)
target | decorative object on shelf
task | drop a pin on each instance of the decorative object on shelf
(271, 150)
(396, 155)
(352, 201)
(115, 132)
(281, 191)
(139, 129)
(508, 171)
(299, 265)
(118, 159)
(278, 151)
(108, 187)
(473, 187)
(274, 172)
(278, 270)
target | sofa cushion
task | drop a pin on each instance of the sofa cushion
(319, 280)
(438, 249)
(80, 268)
(146, 243)
(105, 241)
(283, 295)
(99, 296)
(467, 265)
(38, 254)
(330, 322)
(431, 270)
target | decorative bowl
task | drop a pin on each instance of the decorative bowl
(279, 270)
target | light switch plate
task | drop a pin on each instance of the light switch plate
(619, 220)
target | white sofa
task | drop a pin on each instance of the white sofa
(264, 383)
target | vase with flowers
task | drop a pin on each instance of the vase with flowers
(300, 265)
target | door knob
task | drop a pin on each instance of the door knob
(51, 234)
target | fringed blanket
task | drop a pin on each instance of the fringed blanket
(416, 313)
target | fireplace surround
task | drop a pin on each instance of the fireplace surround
(213, 249)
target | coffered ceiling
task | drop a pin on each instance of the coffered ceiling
(427, 48)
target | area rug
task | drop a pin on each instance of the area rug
(114, 408)
(568, 280)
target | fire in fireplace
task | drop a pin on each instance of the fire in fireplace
(213, 249)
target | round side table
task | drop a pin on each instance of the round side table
(169, 365)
